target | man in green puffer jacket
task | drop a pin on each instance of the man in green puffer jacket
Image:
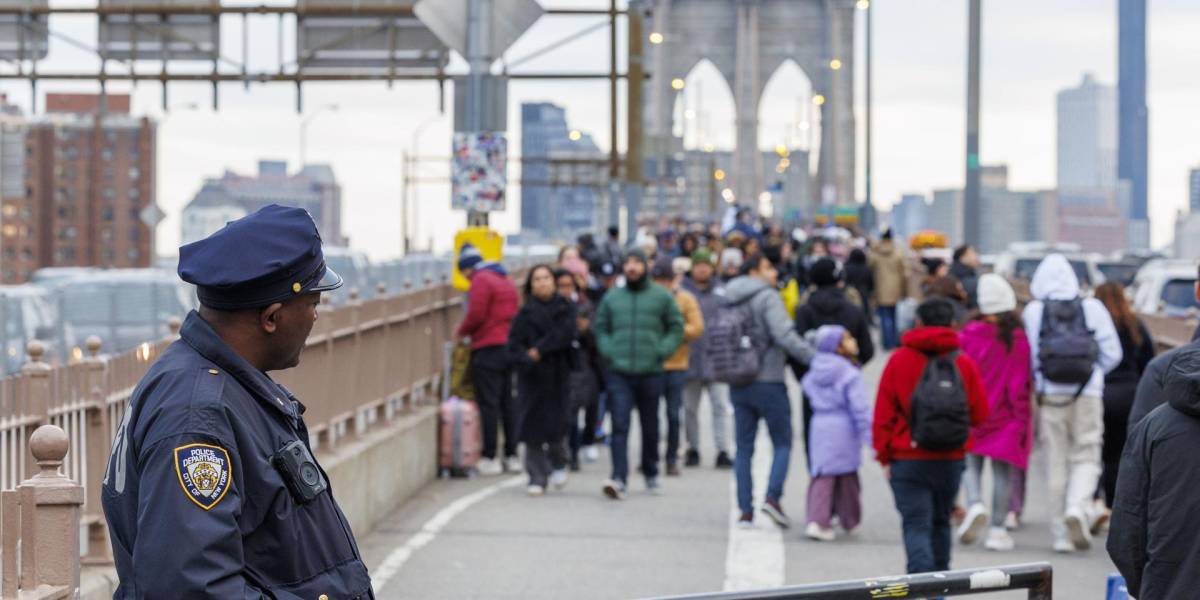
(637, 327)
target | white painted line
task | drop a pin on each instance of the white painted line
(754, 559)
(394, 561)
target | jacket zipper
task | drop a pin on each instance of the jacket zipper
(632, 340)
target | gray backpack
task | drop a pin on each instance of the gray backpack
(732, 349)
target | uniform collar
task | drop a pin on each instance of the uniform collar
(198, 334)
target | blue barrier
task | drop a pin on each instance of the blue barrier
(1116, 588)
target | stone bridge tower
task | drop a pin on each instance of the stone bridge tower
(747, 41)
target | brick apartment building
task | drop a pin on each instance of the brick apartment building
(74, 185)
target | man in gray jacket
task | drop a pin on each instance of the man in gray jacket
(767, 397)
(704, 285)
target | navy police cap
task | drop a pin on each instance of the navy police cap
(260, 259)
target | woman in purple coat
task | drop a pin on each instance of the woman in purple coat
(840, 427)
(998, 345)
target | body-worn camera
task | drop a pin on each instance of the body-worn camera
(300, 472)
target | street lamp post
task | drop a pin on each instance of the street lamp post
(304, 131)
(409, 160)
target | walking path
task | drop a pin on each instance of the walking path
(485, 539)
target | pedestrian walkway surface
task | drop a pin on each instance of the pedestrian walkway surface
(484, 538)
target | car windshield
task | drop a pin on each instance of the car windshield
(1025, 267)
(1179, 295)
(1122, 273)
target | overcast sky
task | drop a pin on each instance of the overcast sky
(1032, 49)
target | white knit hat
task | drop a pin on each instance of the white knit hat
(995, 296)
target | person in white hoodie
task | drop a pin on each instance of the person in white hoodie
(1071, 355)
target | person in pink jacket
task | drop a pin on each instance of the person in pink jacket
(997, 343)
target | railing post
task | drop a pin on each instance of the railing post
(99, 443)
(324, 311)
(36, 391)
(50, 516)
(355, 381)
(407, 335)
(431, 357)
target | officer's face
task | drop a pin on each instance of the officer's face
(289, 325)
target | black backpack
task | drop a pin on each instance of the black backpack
(1067, 349)
(940, 419)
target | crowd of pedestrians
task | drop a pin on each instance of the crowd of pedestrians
(694, 314)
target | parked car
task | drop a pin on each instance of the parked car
(28, 314)
(355, 269)
(1166, 287)
(124, 307)
(1123, 272)
(1023, 259)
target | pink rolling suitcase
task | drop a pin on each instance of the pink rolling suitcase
(460, 437)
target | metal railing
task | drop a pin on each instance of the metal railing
(1037, 578)
(365, 363)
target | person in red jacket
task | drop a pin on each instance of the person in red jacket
(924, 482)
(491, 305)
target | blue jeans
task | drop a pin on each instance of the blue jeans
(887, 327)
(769, 402)
(925, 491)
(624, 393)
(673, 382)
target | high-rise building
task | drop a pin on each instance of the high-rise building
(1133, 125)
(560, 174)
(78, 186)
(909, 216)
(1194, 190)
(234, 196)
(946, 215)
(1087, 137)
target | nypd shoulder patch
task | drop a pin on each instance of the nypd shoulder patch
(204, 473)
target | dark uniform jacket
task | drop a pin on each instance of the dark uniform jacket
(196, 508)
(1152, 539)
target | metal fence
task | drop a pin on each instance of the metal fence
(365, 363)
(1036, 578)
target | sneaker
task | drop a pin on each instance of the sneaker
(653, 486)
(1062, 541)
(723, 461)
(746, 521)
(820, 534)
(972, 525)
(998, 540)
(1077, 529)
(513, 464)
(558, 479)
(1012, 522)
(673, 470)
(614, 489)
(772, 509)
(535, 491)
(489, 467)
(591, 454)
(1100, 521)
(691, 459)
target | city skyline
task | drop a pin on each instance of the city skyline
(919, 112)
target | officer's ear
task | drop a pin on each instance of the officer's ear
(268, 319)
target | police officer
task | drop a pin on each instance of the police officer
(212, 490)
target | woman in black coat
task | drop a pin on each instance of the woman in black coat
(540, 347)
(859, 277)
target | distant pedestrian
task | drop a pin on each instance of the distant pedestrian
(997, 344)
(965, 269)
(1120, 386)
(951, 289)
(702, 283)
(930, 395)
(491, 305)
(675, 368)
(637, 327)
(731, 264)
(1075, 344)
(539, 346)
(1152, 539)
(828, 305)
(611, 250)
(766, 399)
(586, 379)
(890, 272)
(840, 427)
(859, 277)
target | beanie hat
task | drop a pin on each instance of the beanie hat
(468, 257)
(829, 338)
(662, 268)
(681, 265)
(994, 295)
(825, 272)
(637, 253)
(703, 255)
(731, 258)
